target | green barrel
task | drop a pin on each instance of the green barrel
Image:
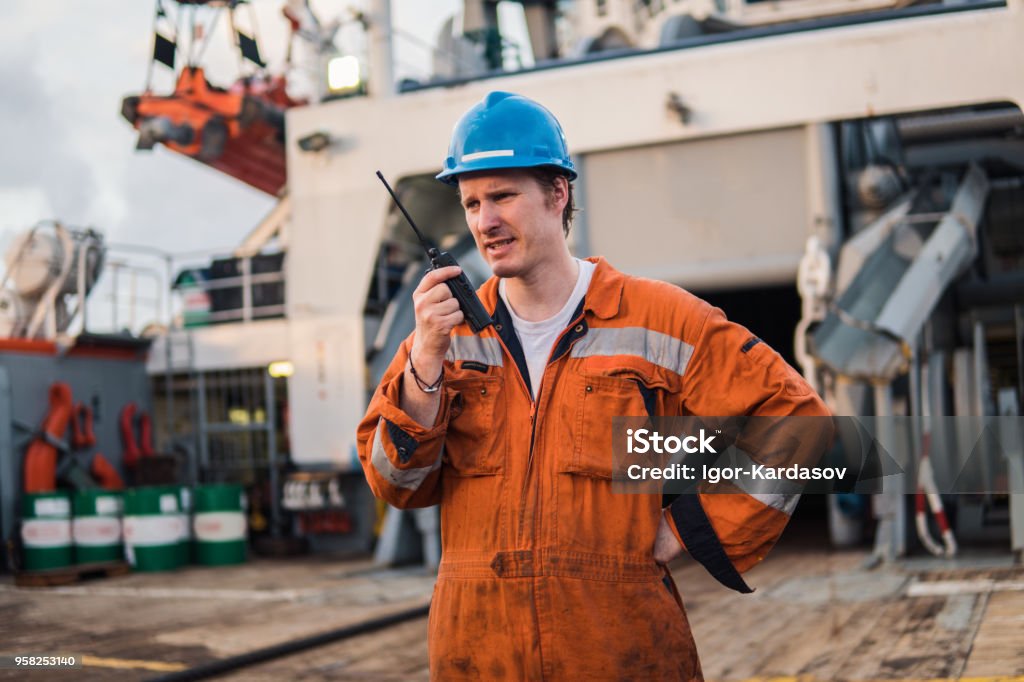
(152, 528)
(219, 524)
(186, 545)
(96, 526)
(46, 531)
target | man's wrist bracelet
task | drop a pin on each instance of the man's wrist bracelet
(424, 386)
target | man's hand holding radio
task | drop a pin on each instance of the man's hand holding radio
(437, 313)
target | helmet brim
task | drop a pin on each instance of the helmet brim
(451, 176)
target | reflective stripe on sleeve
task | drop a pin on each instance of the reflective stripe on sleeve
(475, 349)
(784, 502)
(779, 494)
(654, 347)
(410, 479)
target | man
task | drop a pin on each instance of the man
(547, 574)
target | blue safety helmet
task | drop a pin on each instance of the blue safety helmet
(506, 130)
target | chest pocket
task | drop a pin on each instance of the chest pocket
(475, 443)
(599, 398)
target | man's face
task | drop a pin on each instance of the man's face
(517, 225)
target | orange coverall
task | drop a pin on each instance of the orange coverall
(545, 574)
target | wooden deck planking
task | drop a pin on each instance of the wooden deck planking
(998, 647)
(815, 615)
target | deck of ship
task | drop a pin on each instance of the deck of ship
(816, 615)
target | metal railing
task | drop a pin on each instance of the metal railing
(246, 282)
(125, 305)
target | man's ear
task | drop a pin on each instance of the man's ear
(560, 192)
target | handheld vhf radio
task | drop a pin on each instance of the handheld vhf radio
(472, 309)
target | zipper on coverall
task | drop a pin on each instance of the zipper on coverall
(533, 411)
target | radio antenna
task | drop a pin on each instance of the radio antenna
(423, 241)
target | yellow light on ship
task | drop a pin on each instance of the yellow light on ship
(343, 74)
(238, 415)
(281, 368)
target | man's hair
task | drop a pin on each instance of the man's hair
(546, 177)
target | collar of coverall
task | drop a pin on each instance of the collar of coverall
(602, 298)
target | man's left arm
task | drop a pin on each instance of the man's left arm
(731, 373)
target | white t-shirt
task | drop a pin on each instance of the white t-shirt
(537, 338)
